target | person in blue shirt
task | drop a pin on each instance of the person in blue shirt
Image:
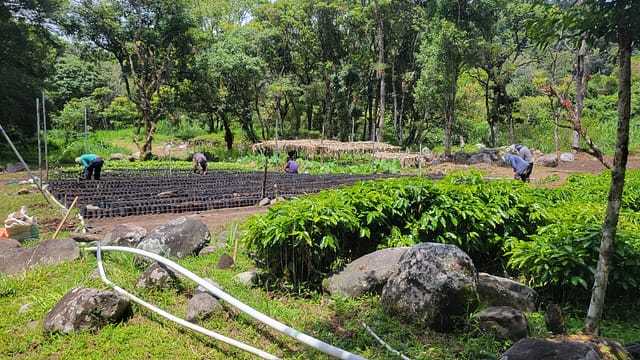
(92, 165)
(519, 166)
(292, 165)
(525, 154)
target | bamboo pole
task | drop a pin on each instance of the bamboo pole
(65, 217)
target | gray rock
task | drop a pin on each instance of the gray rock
(201, 306)
(548, 160)
(567, 157)
(86, 309)
(564, 348)
(9, 243)
(503, 322)
(499, 291)
(435, 285)
(264, 202)
(15, 260)
(180, 238)
(247, 278)
(157, 276)
(367, 274)
(125, 235)
(225, 262)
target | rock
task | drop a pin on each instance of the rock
(435, 284)
(86, 309)
(247, 278)
(548, 160)
(225, 262)
(157, 276)
(499, 291)
(264, 202)
(203, 303)
(179, 238)
(15, 260)
(577, 347)
(125, 235)
(367, 274)
(567, 157)
(504, 322)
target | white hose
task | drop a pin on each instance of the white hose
(306, 339)
(178, 320)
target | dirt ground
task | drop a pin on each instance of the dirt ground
(226, 219)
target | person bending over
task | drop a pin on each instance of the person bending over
(292, 165)
(519, 166)
(92, 165)
(199, 163)
(525, 154)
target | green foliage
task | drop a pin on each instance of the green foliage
(292, 239)
(562, 255)
(301, 240)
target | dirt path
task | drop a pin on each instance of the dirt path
(217, 220)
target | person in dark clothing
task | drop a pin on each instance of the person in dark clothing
(292, 165)
(518, 164)
(525, 154)
(92, 165)
(200, 163)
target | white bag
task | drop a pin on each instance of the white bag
(21, 226)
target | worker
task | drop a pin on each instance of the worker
(518, 164)
(525, 154)
(92, 166)
(200, 163)
(292, 166)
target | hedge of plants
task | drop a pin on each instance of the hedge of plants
(549, 237)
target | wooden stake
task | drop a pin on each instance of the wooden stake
(65, 217)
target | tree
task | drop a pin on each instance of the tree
(27, 53)
(499, 47)
(611, 21)
(149, 39)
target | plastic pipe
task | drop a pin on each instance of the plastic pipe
(304, 338)
(178, 320)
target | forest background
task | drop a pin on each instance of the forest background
(431, 74)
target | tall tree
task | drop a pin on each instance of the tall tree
(148, 38)
(502, 41)
(615, 21)
(610, 21)
(27, 52)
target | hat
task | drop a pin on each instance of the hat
(78, 160)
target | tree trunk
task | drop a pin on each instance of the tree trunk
(449, 110)
(583, 72)
(607, 248)
(381, 74)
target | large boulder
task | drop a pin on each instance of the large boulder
(16, 260)
(180, 238)
(499, 291)
(577, 347)
(86, 309)
(435, 284)
(366, 274)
